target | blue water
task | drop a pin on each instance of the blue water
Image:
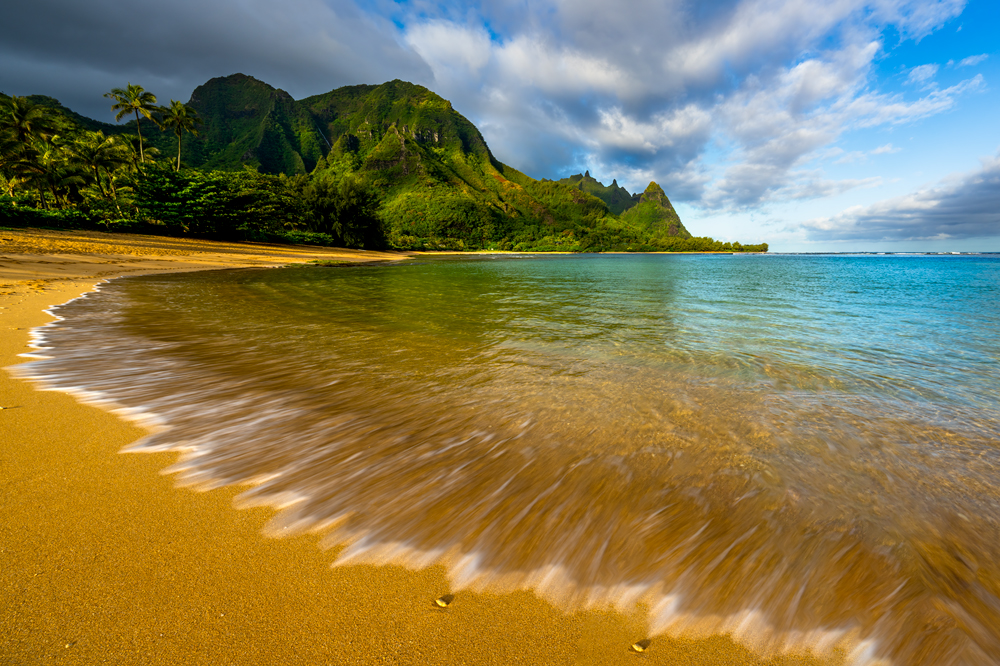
(815, 439)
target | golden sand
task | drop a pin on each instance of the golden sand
(102, 560)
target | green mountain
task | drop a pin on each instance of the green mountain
(654, 214)
(248, 122)
(436, 183)
(616, 197)
(650, 212)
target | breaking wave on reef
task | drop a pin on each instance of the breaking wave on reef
(607, 431)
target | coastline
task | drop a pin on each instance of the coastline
(105, 560)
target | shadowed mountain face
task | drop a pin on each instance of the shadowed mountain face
(249, 122)
(616, 197)
(246, 121)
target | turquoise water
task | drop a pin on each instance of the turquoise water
(798, 443)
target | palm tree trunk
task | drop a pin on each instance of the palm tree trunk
(114, 193)
(97, 177)
(178, 152)
(138, 130)
(41, 196)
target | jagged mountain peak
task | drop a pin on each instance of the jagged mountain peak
(617, 198)
(653, 212)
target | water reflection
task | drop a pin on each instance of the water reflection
(737, 440)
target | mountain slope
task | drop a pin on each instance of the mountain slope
(437, 183)
(655, 214)
(246, 121)
(441, 185)
(616, 197)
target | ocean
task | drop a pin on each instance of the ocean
(796, 450)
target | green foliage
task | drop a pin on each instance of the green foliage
(217, 204)
(344, 208)
(388, 166)
(19, 212)
(133, 99)
(74, 118)
(655, 214)
(180, 118)
(301, 238)
(440, 218)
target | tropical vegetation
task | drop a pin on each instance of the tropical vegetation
(133, 99)
(363, 166)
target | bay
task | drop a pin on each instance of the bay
(798, 448)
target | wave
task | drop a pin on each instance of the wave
(792, 520)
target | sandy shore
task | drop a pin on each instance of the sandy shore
(102, 560)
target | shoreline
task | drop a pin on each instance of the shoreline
(104, 559)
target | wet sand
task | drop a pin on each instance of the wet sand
(103, 560)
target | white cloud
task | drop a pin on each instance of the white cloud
(775, 131)
(922, 73)
(536, 63)
(918, 19)
(873, 109)
(764, 86)
(887, 149)
(664, 130)
(971, 61)
(852, 157)
(862, 156)
(445, 47)
(814, 186)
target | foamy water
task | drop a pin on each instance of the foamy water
(799, 451)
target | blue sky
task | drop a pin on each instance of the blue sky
(840, 125)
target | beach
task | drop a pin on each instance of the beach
(104, 560)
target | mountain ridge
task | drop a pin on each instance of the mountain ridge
(616, 197)
(439, 186)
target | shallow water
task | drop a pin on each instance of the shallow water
(785, 447)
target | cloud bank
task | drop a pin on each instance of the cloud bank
(964, 207)
(655, 90)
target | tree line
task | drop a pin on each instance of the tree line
(55, 173)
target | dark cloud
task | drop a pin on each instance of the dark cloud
(76, 51)
(962, 208)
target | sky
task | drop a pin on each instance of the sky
(812, 125)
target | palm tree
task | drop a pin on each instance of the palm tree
(96, 152)
(129, 144)
(49, 165)
(133, 99)
(180, 118)
(10, 155)
(22, 120)
(24, 127)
